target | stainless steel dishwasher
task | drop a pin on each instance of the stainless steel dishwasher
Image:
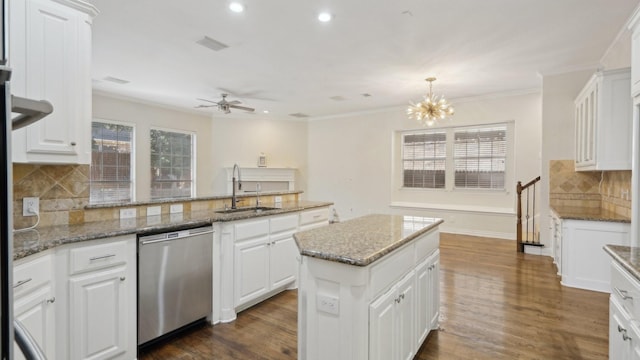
(174, 281)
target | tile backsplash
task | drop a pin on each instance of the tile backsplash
(63, 191)
(590, 189)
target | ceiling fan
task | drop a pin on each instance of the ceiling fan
(225, 106)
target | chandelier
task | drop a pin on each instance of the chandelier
(432, 109)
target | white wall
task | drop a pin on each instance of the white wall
(240, 141)
(351, 163)
(145, 116)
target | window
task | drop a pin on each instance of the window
(171, 164)
(111, 163)
(424, 159)
(464, 157)
(479, 157)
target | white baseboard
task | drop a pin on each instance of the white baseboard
(537, 250)
(481, 233)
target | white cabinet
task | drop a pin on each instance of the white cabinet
(392, 322)
(624, 315)
(99, 281)
(34, 301)
(311, 219)
(427, 296)
(50, 53)
(584, 265)
(264, 257)
(603, 122)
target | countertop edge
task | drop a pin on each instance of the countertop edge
(622, 261)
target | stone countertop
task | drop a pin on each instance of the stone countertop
(29, 242)
(628, 257)
(363, 240)
(589, 214)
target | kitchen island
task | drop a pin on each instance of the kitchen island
(368, 287)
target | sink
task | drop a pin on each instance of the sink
(251, 209)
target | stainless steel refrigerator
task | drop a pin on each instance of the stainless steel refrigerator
(15, 112)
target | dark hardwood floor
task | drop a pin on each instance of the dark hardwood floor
(495, 304)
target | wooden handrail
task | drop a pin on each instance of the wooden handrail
(519, 189)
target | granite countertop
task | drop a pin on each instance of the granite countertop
(363, 240)
(628, 257)
(589, 214)
(29, 242)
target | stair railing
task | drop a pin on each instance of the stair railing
(530, 205)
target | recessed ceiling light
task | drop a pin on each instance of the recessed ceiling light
(324, 17)
(266, 111)
(236, 7)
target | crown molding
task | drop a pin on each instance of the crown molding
(117, 96)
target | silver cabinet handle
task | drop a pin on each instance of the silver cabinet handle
(621, 329)
(101, 257)
(122, 278)
(51, 300)
(21, 282)
(624, 294)
(397, 300)
(625, 337)
(73, 143)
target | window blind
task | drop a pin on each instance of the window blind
(110, 178)
(480, 157)
(424, 159)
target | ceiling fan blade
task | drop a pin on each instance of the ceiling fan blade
(242, 108)
(203, 106)
(234, 102)
(210, 101)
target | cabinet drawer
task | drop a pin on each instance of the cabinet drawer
(97, 257)
(32, 274)
(389, 271)
(284, 223)
(626, 289)
(251, 229)
(313, 216)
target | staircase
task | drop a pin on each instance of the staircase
(529, 233)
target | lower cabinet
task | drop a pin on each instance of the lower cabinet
(97, 287)
(392, 322)
(427, 296)
(624, 315)
(34, 302)
(264, 257)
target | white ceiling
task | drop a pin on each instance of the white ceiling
(282, 59)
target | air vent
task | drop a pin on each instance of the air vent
(116, 80)
(299, 115)
(212, 44)
(337, 98)
(366, 95)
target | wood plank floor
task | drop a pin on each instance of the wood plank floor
(495, 304)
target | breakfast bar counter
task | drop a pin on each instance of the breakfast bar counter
(368, 287)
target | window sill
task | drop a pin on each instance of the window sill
(452, 207)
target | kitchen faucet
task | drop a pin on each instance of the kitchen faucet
(233, 181)
(258, 188)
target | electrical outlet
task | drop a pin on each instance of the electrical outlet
(328, 304)
(127, 213)
(153, 210)
(175, 209)
(277, 199)
(30, 206)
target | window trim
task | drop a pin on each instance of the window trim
(193, 159)
(450, 164)
(132, 171)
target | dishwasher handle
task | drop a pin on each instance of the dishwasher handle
(148, 242)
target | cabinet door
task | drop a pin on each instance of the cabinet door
(423, 317)
(98, 316)
(382, 333)
(434, 290)
(282, 262)
(251, 269)
(36, 312)
(619, 344)
(405, 317)
(635, 62)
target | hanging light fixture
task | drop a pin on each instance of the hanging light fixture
(432, 109)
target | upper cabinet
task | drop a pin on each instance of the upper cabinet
(603, 122)
(634, 26)
(50, 54)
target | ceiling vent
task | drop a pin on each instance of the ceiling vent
(116, 80)
(212, 44)
(366, 95)
(338, 98)
(299, 115)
